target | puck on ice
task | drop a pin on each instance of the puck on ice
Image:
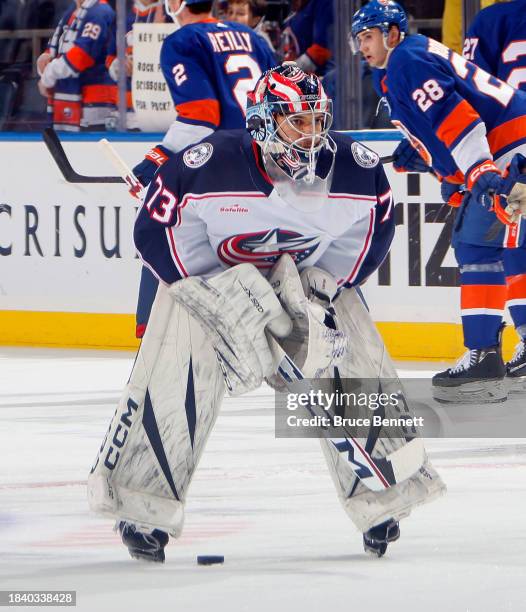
(210, 559)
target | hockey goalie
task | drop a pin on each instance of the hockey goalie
(259, 238)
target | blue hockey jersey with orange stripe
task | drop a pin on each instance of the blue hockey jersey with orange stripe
(210, 66)
(496, 41)
(82, 38)
(453, 112)
(310, 31)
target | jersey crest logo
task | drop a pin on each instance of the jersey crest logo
(263, 249)
(198, 156)
(364, 157)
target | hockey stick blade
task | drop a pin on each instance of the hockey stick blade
(56, 149)
(388, 159)
(376, 474)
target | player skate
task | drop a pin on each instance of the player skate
(477, 378)
(516, 369)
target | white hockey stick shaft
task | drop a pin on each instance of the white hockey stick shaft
(363, 465)
(122, 168)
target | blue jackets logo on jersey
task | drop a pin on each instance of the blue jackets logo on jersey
(364, 157)
(198, 156)
(263, 249)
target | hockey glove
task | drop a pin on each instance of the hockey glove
(484, 180)
(408, 159)
(452, 193)
(152, 161)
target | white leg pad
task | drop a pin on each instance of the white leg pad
(369, 359)
(160, 428)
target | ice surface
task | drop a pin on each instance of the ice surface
(268, 505)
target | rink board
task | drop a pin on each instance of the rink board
(69, 271)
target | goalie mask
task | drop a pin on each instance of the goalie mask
(289, 116)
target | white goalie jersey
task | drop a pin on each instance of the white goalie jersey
(213, 206)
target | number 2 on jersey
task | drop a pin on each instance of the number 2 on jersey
(242, 86)
(511, 53)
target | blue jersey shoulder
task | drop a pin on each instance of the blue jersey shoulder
(412, 49)
(201, 168)
(355, 167)
(496, 41)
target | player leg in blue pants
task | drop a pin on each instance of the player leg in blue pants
(483, 295)
(515, 270)
(147, 291)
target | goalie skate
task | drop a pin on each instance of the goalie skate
(375, 540)
(143, 545)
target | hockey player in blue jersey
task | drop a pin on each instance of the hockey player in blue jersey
(468, 126)
(495, 42)
(209, 67)
(293, 196)
(73, 74)
(307, 36)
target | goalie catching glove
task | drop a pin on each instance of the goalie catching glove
(235, 308)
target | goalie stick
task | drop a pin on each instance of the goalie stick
(376, 474)
(54, 145)
(136, 187)
(56, 149)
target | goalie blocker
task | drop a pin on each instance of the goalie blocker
(203, 334)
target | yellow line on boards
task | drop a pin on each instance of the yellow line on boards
(432, 341)
(68, 330)
(414, 341)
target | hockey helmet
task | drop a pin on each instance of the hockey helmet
(174, 14)
(289, 115)
(380, 14)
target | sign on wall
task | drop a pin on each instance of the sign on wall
(154, 109)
